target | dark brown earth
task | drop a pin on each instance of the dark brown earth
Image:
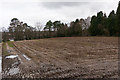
(81, 57)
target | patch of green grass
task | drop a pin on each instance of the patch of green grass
(10, 43)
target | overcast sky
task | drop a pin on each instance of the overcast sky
(32, 11)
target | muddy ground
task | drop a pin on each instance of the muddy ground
(0, 61)
(71, 57)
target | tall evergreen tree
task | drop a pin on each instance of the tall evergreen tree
(111, 23)
(48, 26)
(97, 24)
(118, 19)
(93, 28)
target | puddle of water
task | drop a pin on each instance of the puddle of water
(9, 51)
(11, 56)
(16, 63)
(26, 57)
(13, 71)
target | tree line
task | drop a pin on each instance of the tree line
(22, 31)
(100, 25)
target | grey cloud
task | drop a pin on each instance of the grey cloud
(32, 12)
(53, 5)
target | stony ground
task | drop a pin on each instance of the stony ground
(81, 57)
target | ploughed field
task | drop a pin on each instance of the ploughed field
(68, 57)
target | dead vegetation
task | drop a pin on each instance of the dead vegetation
(81, 57)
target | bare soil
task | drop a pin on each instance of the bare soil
(68, 57)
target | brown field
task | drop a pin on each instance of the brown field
(81, 57)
